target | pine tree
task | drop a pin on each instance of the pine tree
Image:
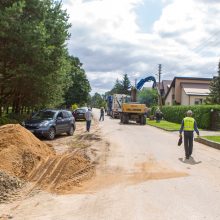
(215, 88)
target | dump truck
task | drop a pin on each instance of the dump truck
(114, 104)
(133, 111)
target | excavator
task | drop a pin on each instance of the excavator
(133, 111)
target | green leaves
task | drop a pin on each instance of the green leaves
(33, 56)
(214, 96)
(202, 114)
(79, 89)
(148, 96)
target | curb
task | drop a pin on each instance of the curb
(208, 143)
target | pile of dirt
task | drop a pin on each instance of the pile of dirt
(8, 185)
(20, 150)
(78, 169)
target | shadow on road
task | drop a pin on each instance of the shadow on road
(190, 161)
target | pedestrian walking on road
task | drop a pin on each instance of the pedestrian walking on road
(88, 116)
(188, 126)
(102, 112)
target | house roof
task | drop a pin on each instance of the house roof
(196, 89)
(188, 78)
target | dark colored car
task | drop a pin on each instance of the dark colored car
(79, 113)
(49, 123)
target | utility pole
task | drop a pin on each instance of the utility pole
(159, 74)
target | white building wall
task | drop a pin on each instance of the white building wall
(194, 98)
(190, 100)
(168, 100)
(184, 98)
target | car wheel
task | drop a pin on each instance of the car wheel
(51, 134)
(71, 131)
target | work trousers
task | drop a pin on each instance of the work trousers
(101, 117)
(188, 143)
(88, 124)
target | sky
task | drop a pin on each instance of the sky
(116, 37)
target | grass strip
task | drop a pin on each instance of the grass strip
(166, 125)
(212, 138)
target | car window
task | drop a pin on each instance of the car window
(65, 114)
(69, 114)
(80, 111)
(60, 115)
(44, 115)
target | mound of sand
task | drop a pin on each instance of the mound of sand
(20, 150)
(8, 185)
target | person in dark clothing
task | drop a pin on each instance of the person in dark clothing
(102, 112)
(188, 126)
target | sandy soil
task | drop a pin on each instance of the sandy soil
(138, 172)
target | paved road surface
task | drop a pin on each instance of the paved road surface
(143, 176)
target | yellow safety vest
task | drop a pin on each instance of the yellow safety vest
(188, 124)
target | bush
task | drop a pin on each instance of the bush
(5, 120)
(201, 113)
(13, 118)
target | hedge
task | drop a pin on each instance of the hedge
(201, 113)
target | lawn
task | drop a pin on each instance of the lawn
(169, 126)
(212, 138)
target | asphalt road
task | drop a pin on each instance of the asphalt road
(142, 175)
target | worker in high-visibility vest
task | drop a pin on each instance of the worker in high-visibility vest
(188, 126)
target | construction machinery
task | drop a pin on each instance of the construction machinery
(114, 103)
(133, 111)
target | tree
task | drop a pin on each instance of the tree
(148, 96)
(126, 85)
(117, 88)
(79, 89)
(215, 88)
(33, 54)
(98, 101)
(121, 87)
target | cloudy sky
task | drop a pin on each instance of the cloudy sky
(114, 37)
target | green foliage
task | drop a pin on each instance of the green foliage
(148, 96)
(212, 138)
(201, 113)
(13, 118)
(166, 125)
(33, 55)
(79, 89)
(98, 101)
(214, 96)
(122, 87)
(74, 106)
(126, 85)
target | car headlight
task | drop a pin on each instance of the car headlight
(44, 124)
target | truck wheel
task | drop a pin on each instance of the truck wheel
(126, 119)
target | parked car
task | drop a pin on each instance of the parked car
(79, 113)
(49, 123)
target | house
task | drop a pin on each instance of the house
(187, 91)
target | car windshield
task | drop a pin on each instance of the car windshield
(81, 111)
(44, 115)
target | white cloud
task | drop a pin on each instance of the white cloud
(107, 39)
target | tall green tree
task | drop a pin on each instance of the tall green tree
(79, 89)
(126, 84)
(215, 88)
(148, 96)
(98, 101)
(33, 55)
